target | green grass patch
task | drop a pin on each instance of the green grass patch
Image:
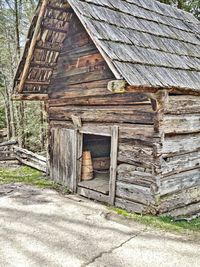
(162, 222)
(28, 176)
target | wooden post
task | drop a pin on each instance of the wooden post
(32, 46)
(113, 167)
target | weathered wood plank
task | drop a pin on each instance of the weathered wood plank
(62, 157)
(126, 131)
(180, 163)
(179, 144)
(136, 153)
(179, 124)
(136, 193)
(93, 195)
(41, 97)
(104, 114)
(177, 182)
(129, 174)
(113, 163)
(188, 210)
(94, 96)
(179, 199)
(183, 104)
(134, 206)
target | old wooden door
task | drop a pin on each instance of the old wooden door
(63, 157)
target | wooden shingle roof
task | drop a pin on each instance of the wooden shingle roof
(147, 43)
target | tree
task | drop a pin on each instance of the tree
(192, 6)
(23, 120)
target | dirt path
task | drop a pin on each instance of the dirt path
(43, 228)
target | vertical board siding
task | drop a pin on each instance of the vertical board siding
(62, 156)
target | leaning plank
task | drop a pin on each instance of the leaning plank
(136, 193)
(27, 153)
(32, 164)
(30, 159)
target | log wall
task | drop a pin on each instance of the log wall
(179, 171)
(159, 134)
(79, 88)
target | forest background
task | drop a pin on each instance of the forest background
(26, 121)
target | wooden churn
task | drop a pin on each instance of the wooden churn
(87, 167)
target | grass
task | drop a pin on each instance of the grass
(28, 176)
(162, 222)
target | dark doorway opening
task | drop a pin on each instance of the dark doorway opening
(95, 174)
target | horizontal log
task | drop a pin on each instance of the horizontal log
(136, 193)
(3, 152)
(104, 114)
(41, 97)
(96, 96)
(43, 64)
(134, 206)
(179, 144)
(137, 154)
(180, 124)
(188, 210)
(126, 131)
(93, 194)
(62, 9)
(55, 29)
(8, 158)
(130, 174)
(183, 104)
(58, 95)
(179, 199)
(8, 143)
(177, 182)
(180, 163)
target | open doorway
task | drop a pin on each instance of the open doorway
(96, 160)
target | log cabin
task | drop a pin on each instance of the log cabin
(121, 81)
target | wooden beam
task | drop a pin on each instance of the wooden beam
(40, 97)
(66, 10)
(41, 64)
(32, 46)
(40, 83)
(54, 29)
(48, 48)
(117, 86)
(113, 165)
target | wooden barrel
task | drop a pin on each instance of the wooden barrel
(87, 167)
